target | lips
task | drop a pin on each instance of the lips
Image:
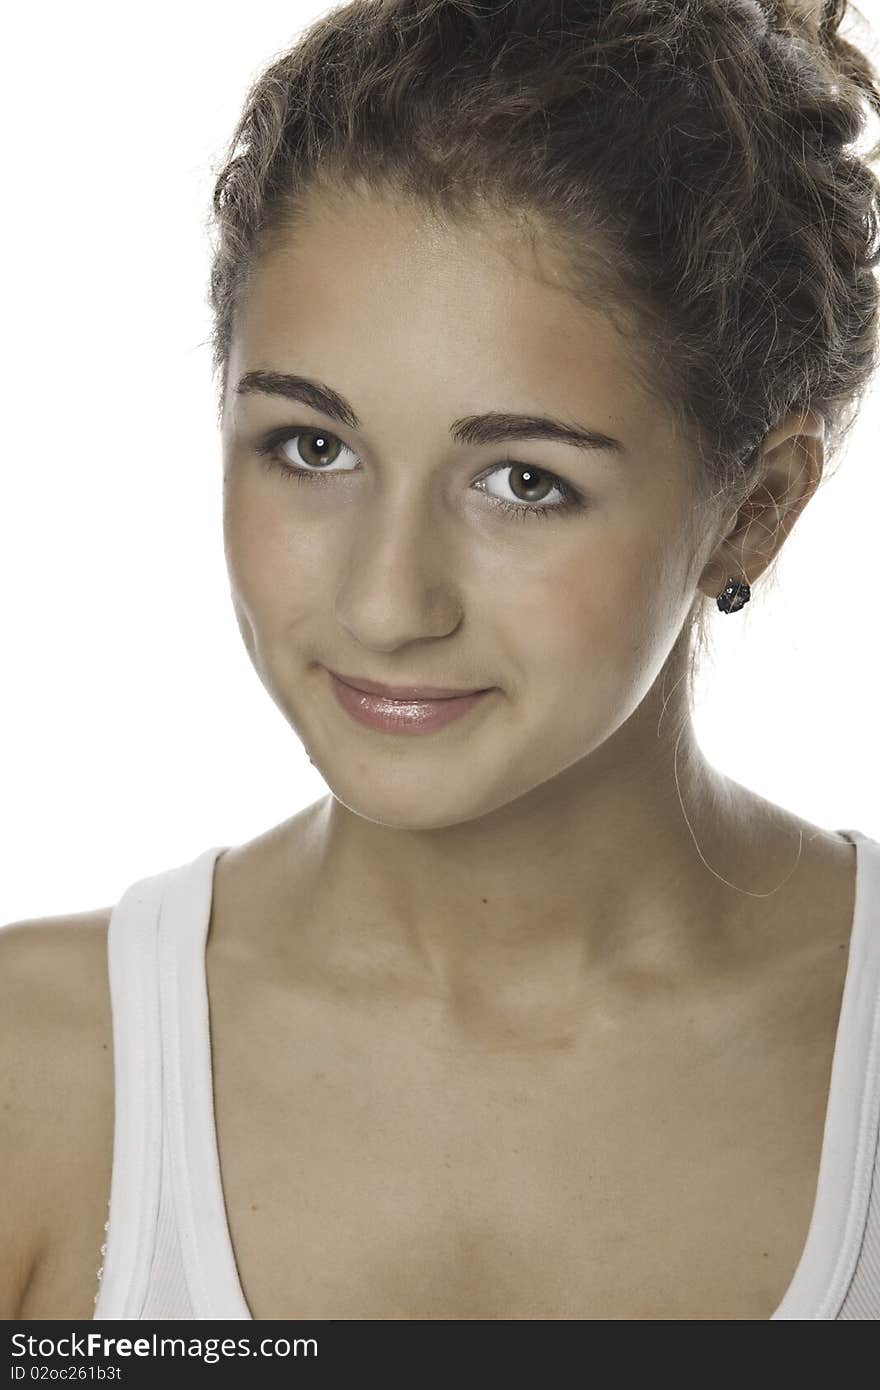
(405, 715)
(406, 692)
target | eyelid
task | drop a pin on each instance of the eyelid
(573, 499)
(275, 438)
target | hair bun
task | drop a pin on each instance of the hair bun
(806, 14)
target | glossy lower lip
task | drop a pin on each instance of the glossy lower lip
(402, 716)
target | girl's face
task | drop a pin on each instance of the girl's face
(408, 531)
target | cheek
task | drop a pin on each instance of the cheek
(277, 565)
(598, 620)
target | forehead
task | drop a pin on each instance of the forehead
(476, 313)
(389, 262)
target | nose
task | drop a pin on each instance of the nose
(398, 580)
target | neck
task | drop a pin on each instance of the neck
(635, 860)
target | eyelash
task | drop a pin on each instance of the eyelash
(269, 447)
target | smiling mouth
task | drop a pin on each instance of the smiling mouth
(394, 716)
(406, 693)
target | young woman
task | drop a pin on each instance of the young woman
(537, 325)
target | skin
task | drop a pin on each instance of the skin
(540, 859)
(533, 1016)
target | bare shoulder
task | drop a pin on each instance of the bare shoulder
(804, 874)
(56, 1087)
(56, 954)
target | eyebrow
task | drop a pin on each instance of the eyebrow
(490, 428)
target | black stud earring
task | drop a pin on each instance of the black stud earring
(735, 594)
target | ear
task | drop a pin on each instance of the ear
(792, 459)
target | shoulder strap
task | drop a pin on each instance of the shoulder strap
(137, 1122)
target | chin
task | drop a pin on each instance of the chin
(409, 803)
(416, 812)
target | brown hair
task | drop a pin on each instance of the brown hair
(693, 161)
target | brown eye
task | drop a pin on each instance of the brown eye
(315, 451)
(317, 448)
(526, 488)
(530, 484)
(311, 452)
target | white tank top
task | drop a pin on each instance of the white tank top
(168, 1250)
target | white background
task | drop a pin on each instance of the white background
(134, 732)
